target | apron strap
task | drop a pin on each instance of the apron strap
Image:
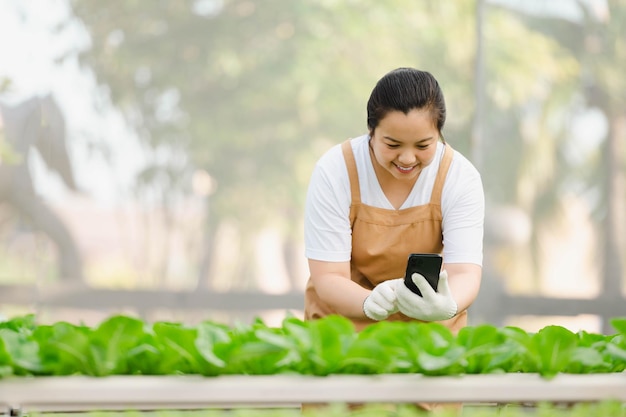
(446, 160)
(348, 155)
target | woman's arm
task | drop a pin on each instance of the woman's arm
(333, 285)
(464, 281)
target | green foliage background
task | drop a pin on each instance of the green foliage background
(254, 92)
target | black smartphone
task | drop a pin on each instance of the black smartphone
(426, 264)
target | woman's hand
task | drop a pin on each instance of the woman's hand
(432, 305)
(381, 303)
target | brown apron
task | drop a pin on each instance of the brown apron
(382, 240)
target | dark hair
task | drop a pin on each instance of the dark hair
(405, 89)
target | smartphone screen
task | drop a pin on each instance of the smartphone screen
(426, 264)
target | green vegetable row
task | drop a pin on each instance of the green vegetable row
(123, 345)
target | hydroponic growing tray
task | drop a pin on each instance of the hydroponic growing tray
(80, 393)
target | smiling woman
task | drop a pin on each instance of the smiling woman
(375, 199)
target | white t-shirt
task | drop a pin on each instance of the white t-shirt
(327, 231)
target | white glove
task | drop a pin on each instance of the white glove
(381, 303)
(432, 305)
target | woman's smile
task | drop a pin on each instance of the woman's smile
(406, 170)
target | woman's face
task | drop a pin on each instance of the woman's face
(403, 144)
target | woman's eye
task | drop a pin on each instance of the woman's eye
(422, 147)
(390, 146)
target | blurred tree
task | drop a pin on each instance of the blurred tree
(604, 58)
(38, 124)
(598, 42)
(530, 83)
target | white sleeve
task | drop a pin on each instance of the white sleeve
(327, 231)
(463, 210)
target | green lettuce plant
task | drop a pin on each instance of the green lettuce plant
(123, 345)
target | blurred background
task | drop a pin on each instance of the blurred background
(155, 156)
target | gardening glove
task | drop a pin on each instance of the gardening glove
(432, 305)
(381, 303)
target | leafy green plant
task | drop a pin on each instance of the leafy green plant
(250, 350)
(65, 349)
(18, 353)
(551, 350)
(372, 353)
(616, 345)
(124, 345)
(485, 349)
(435, 349)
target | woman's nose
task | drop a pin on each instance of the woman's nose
(407, 157)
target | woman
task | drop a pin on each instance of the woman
(397, 190)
